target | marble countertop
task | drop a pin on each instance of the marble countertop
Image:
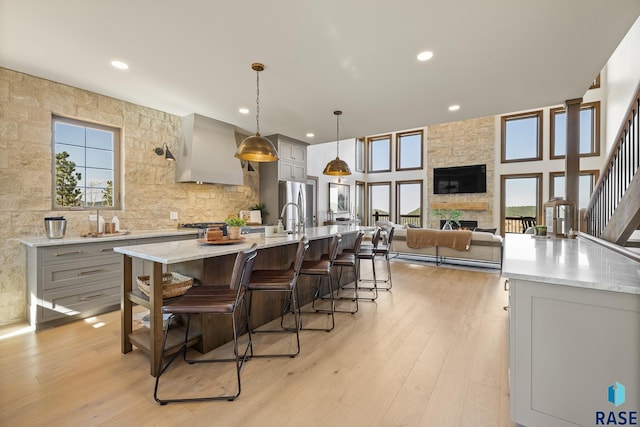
(189, 250)
(72, 240)
(571, 262)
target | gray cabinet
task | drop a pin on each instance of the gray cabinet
(67, 282)
(567, 346)
(292, 166)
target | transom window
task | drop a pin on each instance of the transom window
(589, 131)
(360, 155)
(522, 137)
(379, 154)
(409, 150)
(85, 165)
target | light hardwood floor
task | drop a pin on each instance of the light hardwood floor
(433, 352)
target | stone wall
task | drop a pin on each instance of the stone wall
(468, 142)
(149, 194)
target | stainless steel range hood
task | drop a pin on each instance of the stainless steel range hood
(206, 152)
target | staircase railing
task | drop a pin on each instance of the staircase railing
(617, 175)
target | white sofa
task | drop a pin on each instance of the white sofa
(484, 248)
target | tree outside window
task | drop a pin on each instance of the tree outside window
(86, 164)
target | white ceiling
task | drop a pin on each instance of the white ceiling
(359, 56)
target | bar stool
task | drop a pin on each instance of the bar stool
(281, 281)
(383, 250)
(368, 252)
(319, 269)
(226, 300)
(348, 259)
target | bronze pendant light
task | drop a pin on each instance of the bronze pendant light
(257, 148)
(337, 167)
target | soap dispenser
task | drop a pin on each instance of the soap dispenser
(280, 227)
(116, 223)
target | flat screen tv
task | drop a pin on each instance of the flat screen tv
(460, 179)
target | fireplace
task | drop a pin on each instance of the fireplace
(464, 225)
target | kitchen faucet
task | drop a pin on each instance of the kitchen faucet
(298, 227)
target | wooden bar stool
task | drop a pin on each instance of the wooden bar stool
(320, 269)
(281, 281)
(227, 300)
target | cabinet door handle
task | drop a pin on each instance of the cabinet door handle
(106, 250)
(80, 273)
(506, 285)
(66, 253)
(88, 297)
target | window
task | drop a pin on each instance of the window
(587, 181)
(379, 154)
(359, 154)
(409, 202)
(409, 150)
(360, 201)
(522, 137)
(521, 196)
(379, 202)
(589, 131)
(85, 165)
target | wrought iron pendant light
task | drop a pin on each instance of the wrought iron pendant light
(337, 167)
(257, 148)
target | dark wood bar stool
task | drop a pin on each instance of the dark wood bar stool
(322, 268)
(227, 300)
(347, 259)
(283, 281)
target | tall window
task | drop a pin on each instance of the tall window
(522, 137)
(586, 182)
(409, 150)
(360, 201)
(85, 165)
(589, 131)
(379, 154)
(409, 202)
(379, 202)
(359, 154)
(521, 197)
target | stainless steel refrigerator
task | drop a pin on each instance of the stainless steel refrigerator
(302, 195)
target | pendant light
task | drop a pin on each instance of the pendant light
(257, 148)
(337, 167)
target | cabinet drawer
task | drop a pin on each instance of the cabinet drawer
(80, 251)
(82, 272)
(77, 301)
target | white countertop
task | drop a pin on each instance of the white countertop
(72, 240)
(572, 262)
(189, 250)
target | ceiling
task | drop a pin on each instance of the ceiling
(490, 56)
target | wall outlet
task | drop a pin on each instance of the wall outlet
(173, 215)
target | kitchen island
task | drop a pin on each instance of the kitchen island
(210, 264)
(574, 331)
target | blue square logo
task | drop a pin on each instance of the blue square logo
(616, 394)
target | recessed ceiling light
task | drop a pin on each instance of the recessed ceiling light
(120, 65)
(310, 135)
(243, 110)
(454, 108)
(425, 56)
